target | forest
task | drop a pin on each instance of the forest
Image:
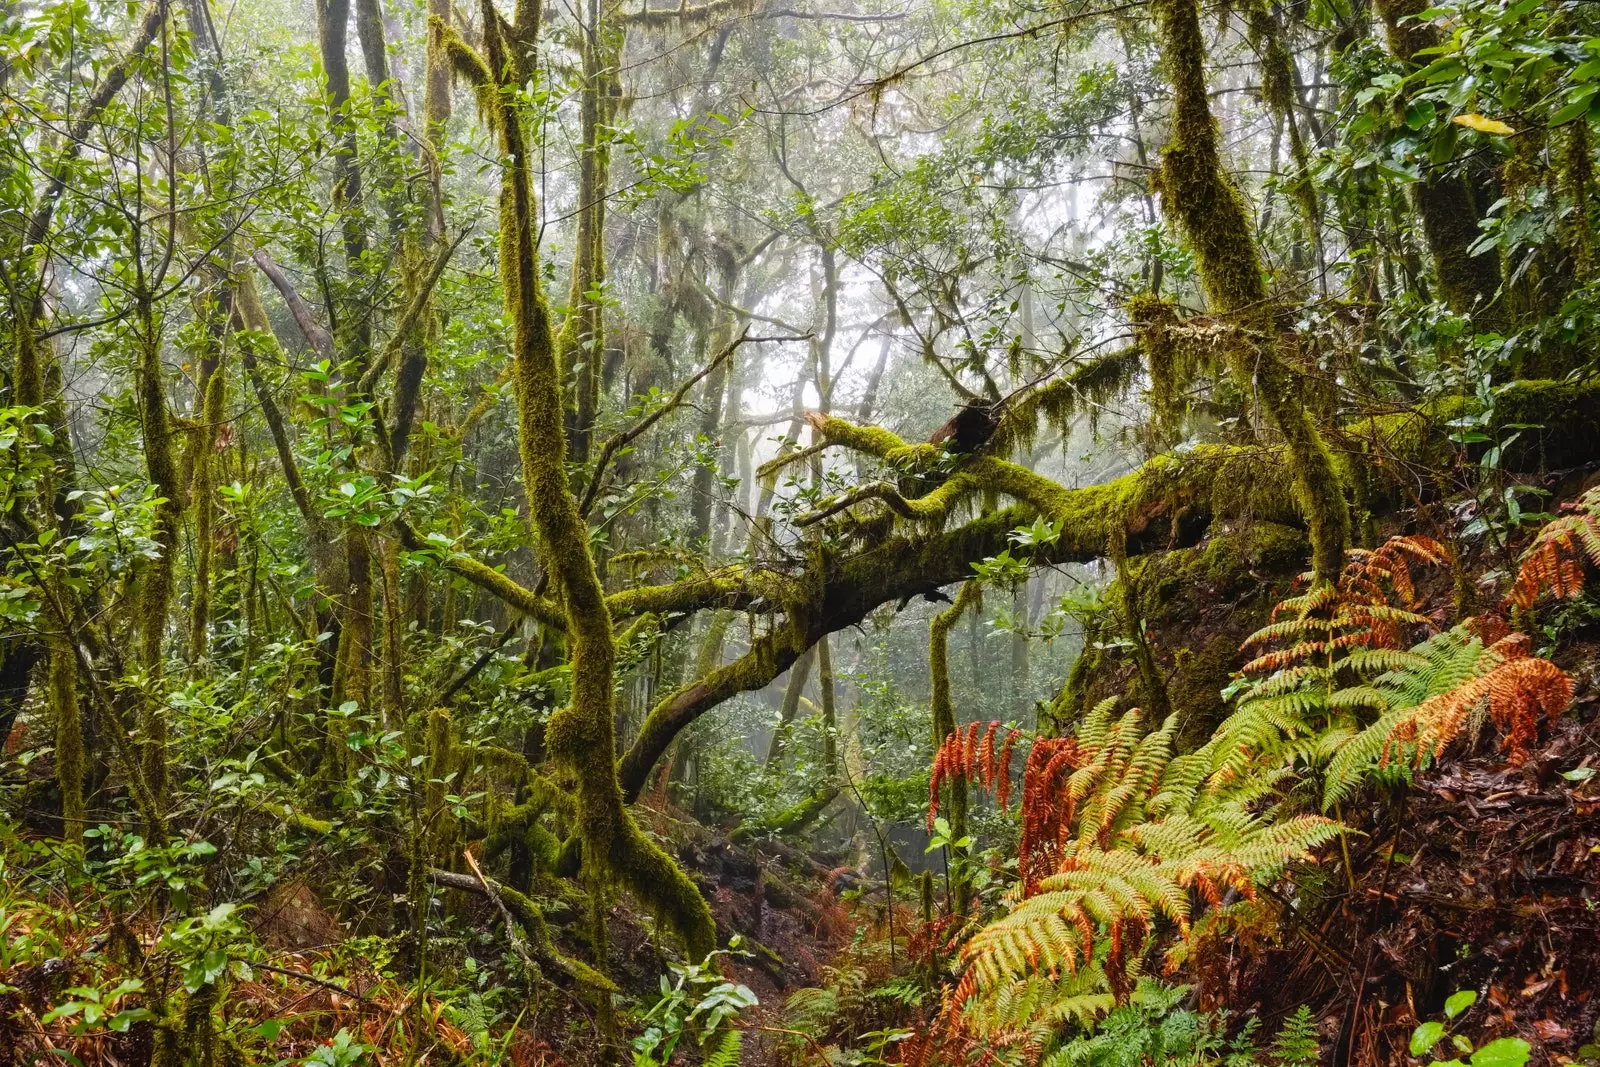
(942, 533)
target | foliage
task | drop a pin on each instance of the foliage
(697, 1002)
(1118, 835)
(408, 502)
(1501, 1052)
(1346, 698)
(1561, 555)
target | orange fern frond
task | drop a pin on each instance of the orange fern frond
(965, 756)
(1562, 554)
(1518, 689)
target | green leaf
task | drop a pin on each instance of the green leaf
(1426, 1036)
(1579, 774)
(1459, 1002)
(1506, 1052)
(1420, 113)
(1575, 109)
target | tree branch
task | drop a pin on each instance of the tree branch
(320, 339)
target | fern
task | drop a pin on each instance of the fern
(1302, 702)
(963, 755)
(1123, 844)
(1345, 697)
(1119, 840)
(1561, 554)
(723, 1050)
(1296, 1044)
(1429, 701)
(1150, 1029)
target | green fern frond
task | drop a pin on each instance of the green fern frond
(724, 1050)
(1374, 660)
(1296, 1044)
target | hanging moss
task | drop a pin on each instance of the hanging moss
(1085, 389)
(1277, 90)
(1153, 320)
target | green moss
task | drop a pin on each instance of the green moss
(1125, 597)
(1153, 320)
(1565, 421)
(1196, 688)
(202, 488)
(1089, 387)
(1445, 201)
(791, 820)
(876, 441)
(296, 820)
(1277, 89)
(799, 674)
(541, 610)
(156, 580)
(1576, 178)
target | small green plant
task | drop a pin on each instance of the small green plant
(342, 1050)
(1502, 1052)
(91, 1008)
(701, 1004)
(1296, 1044)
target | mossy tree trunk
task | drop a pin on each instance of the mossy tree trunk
(944, 724)
(155, 583)
(581, 735)
(580, 345)
(1200, 197)
(1446, 202)
(799, 674)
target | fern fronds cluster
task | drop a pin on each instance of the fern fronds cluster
(1518, 689)
(1305, 699)
(1354, 613)
(1428, 698)
(1296, 1044)
(1562, 554)
(1347, 696)
(1120, 839)
(1123, 843)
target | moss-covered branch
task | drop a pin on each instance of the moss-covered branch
(1167, 502)
(792, 819)
(531, 919)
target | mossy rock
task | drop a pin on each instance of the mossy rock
(1567, 420)
(1196, 690)
(1180, 583)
